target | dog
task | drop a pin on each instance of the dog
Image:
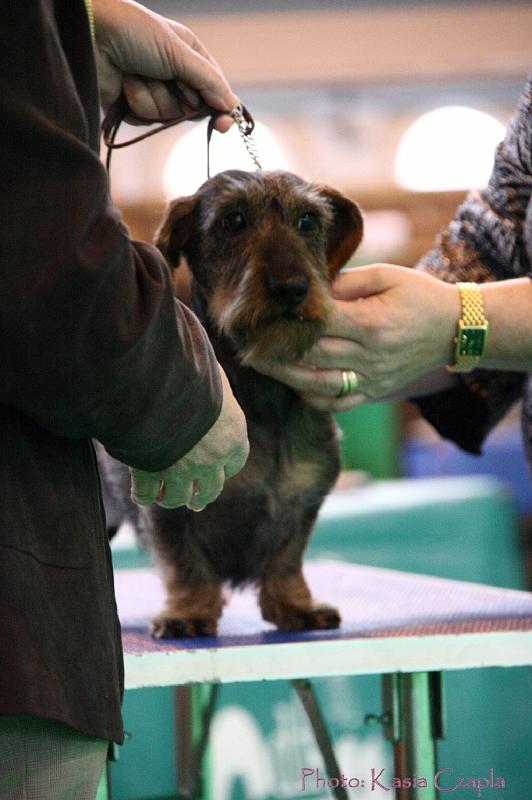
(263, 249)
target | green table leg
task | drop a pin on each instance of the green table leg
(413, 721)
(195, 706)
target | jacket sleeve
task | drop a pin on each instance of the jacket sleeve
(486, 242)
(92, 342)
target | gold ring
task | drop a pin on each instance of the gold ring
(349, 383)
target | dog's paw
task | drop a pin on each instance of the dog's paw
(164, 627)
(292, 618)
(322, 617)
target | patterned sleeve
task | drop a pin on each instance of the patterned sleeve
(486, 242)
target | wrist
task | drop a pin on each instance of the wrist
(508, 303)
(450, 309)
(109, 16)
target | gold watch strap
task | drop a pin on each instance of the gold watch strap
(472, 331)
(472, 304)
(90, 14)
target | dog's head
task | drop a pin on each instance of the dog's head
(263, 248)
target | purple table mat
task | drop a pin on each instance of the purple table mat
(373, 603)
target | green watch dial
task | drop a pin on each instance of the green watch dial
(472, 340)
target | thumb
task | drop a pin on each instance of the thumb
(361, 282)
(197, 71)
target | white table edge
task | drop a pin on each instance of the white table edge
(326, 658)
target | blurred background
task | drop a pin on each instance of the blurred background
(399, 105)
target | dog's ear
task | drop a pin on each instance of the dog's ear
(345, 231)
(176, 228)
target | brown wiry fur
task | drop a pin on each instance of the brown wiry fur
(261, 290)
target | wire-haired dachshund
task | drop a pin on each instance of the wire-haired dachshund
(263, 249)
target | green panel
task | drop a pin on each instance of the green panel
(489, 725)
(473, 539)
(145, 768)
(131, 558)
(369, 439)
(262, 739)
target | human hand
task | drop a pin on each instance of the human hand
(138, 50)
(198, 478)
(391, 325)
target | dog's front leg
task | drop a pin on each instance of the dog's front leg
(193, 605)
(192, 610)
(193, 589)
(285, 600)
(284, 597)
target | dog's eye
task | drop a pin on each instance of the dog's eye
(307, 223)
(234, 222)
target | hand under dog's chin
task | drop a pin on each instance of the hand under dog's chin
(282, 340)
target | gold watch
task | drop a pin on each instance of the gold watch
(472, 333)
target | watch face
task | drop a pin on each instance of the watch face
(472, 340)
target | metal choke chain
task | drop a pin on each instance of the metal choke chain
(246, 124)
(120, 110)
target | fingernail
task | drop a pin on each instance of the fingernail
(194, 508)
(232, 101)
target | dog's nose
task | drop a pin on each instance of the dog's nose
(289, 292)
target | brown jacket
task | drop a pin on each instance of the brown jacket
(92, 345)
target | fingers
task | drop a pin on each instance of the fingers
(198, 477)
(180, 490)
(361, 282)
(175, 487)
(133, 41)
(194, 66)
(206, 490)
(223, 123)
(176, 490)
(353, 319)
(149, 99)
(333, 352)
(308, 380)
(145, 486)
(332, 404)
(153, 100)
(319, 388)
(237, 460)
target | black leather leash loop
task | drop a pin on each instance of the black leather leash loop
(120, 110)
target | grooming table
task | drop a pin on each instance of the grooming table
(408, 628)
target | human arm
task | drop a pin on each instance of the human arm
(508, 307)
(405, 323)
(404, 328)
(490, 240)
(140, 53)
(93, 343)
